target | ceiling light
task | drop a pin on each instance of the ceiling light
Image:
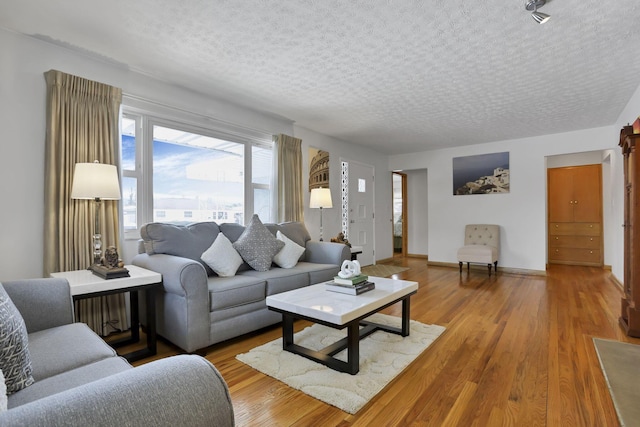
(533, 5)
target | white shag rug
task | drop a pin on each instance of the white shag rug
(382, 357)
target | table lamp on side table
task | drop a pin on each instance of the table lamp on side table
(96, 181)
(320, 198)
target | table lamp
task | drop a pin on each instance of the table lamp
(320, 198)
(96, 181)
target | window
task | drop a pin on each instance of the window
(180, 173)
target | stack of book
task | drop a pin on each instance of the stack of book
(353, 286)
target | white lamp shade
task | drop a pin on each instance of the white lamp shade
(320, 198)
(95, 181)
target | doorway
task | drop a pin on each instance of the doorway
(400, 220)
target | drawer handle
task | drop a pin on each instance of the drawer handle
(590, 252)
(557, 251)
(591, 226)
(557, 238)
(591, 239)
(556, 225)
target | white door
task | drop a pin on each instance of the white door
(360, 207)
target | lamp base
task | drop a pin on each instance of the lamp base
(109, 272)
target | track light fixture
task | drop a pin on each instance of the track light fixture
(533, 5)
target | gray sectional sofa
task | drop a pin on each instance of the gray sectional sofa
(78, 380)
(197, 307)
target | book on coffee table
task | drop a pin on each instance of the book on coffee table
(350, 289)
(351, 280)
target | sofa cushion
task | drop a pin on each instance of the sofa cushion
(223, 259)
(478, 253)
(15, 360)
(282, 279)
(232, 230)
(69, 379)
(257, 245)
(318, 273)
(290, 254)
(50, 349)
(187, 241)
(296, 231)
(225, 292)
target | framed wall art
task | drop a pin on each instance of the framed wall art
(318, 168)
(481, 174)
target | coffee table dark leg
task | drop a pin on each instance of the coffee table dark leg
(287, 331)
(353, 347)
(406, 318)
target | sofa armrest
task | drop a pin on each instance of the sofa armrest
(180, 276)
(327, 252)
(183, 391)
(43, 303)
(183, 315)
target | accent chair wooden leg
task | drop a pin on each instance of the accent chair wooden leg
(489, 265)
(495, 268)
(468, 264)
(460, 264)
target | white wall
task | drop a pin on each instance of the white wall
(521, 213)
(23, 63)
(332, 218)
(417, 211)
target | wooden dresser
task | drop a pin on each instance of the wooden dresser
(575, 215)
(630, 310)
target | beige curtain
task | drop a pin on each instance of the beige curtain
(82, 126)
(290, 200)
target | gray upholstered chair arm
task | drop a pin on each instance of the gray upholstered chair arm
(327, 252)
(43, 303)
(183, 391)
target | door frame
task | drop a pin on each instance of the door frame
(405, 217)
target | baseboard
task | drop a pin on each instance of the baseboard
(616, 282)
(378, 261)
(504, 270)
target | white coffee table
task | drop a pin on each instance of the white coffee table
(339, 311)
(84, 284)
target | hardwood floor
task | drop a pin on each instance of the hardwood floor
(517, 351)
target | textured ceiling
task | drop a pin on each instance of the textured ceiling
(397, 75)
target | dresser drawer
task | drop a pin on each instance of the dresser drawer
(584, 242)
(575, 255)
(574, 229)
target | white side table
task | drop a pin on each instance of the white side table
(84, 284)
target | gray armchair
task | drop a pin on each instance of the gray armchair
(80, 380)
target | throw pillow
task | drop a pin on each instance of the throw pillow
(257, 245)
(222, 257)
(289, 255)
(15, 361)
(3, 394)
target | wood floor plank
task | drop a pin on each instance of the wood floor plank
(517, 351)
